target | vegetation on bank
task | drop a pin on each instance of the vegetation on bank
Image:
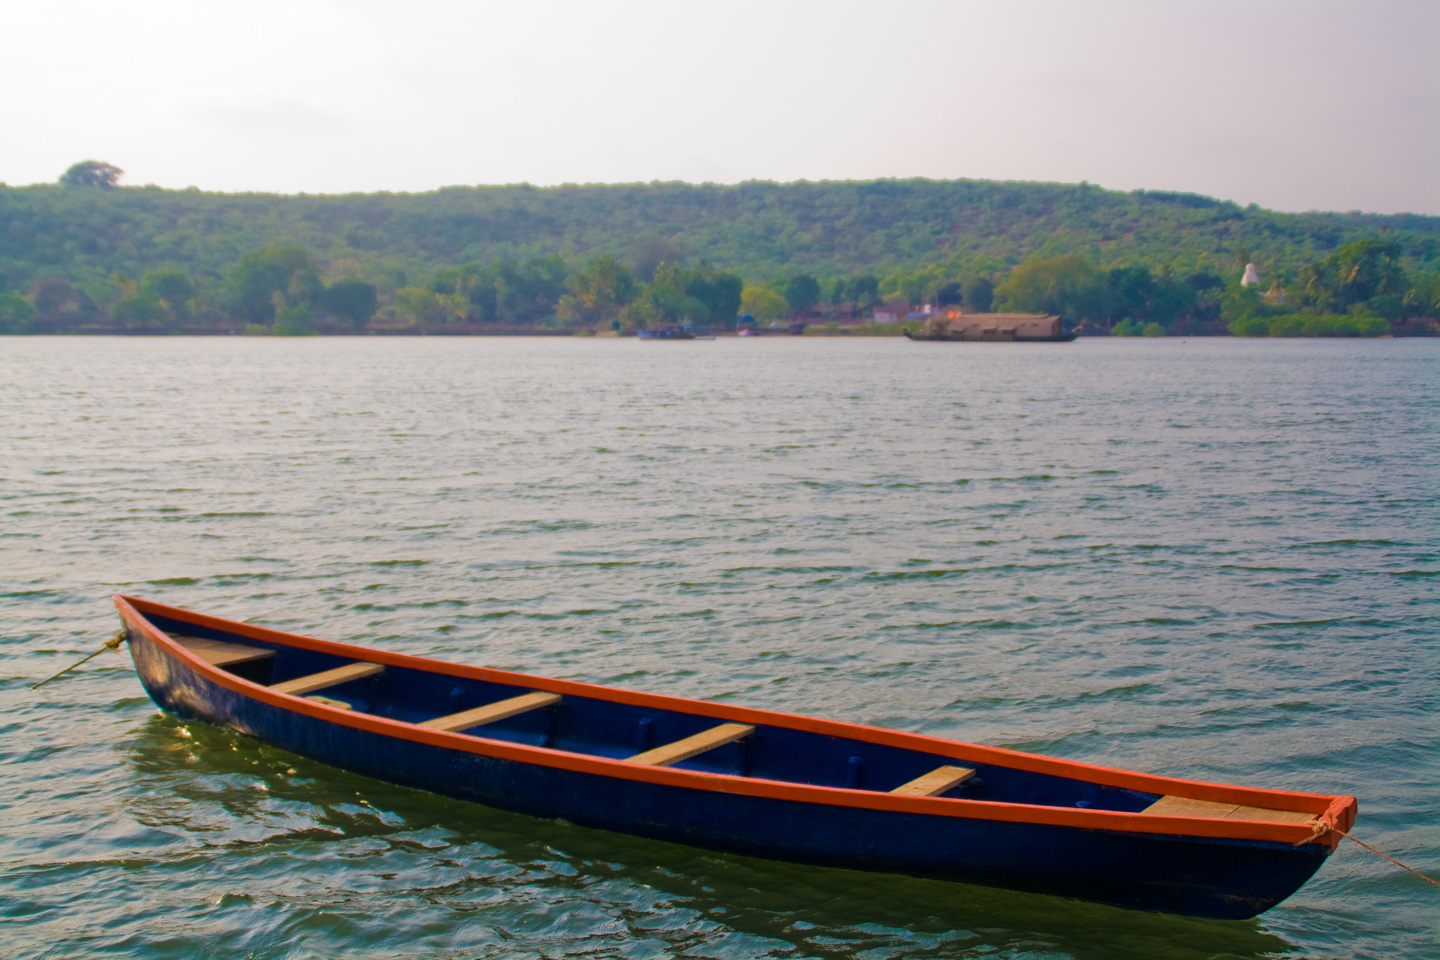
(87, 255)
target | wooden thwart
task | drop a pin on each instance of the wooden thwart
(218, 653)
(692, 746)
(327, 678)
(935, 782)
(492, 712)
(1185, 807)
(330, 702)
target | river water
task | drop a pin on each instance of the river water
(1213, 559)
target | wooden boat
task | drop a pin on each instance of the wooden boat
(737, 779)
(955, 326)
(667, 333)
(957, 338)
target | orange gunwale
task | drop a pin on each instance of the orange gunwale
(1331, 811)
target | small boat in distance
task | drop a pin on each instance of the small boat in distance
(953, 325)
(748, 326)
(749, 781)
(675, 331)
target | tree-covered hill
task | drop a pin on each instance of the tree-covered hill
(85, 253)
(754, 229)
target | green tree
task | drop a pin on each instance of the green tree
(172, 289)
(863, 291)
(293, 321)
(1132, 291)
(665, 299)
(1243, 303)
(528, 291)
(802, 292)
(16, 315)
(353, 300)
(91, 173)
(1067, 285)
(427, 306)
(143, 314)
(1359, 272)
(763, 304)
(979, 294)
(282, 271)
(650, 252)
(601, 290)
(719, 291)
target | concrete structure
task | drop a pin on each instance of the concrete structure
(892, 312)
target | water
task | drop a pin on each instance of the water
(1210, 559)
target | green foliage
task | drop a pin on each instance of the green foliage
(353, 300)
(1127, 328)
(91, 173)
(718, 291)
(170, 289)
(1363, 272)
(16, 315)
(293, 321)
(1310, 325)
(1153, 330)
(667, 300)
(426, 306)
(600, 291)
(171, 285)
(862, 290)
(979, 294)
(763, 304)
(1067, 285)
(1243, 303)
(276, 275)
(143, 314)
(802, 292)
(509, 254)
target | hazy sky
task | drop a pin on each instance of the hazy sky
(1292, 105)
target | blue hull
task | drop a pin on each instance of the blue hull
(1205, 876)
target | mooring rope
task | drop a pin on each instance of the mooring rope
(112, 644)
(1430, 880)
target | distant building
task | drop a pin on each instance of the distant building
(892, 312)
(1252, 276)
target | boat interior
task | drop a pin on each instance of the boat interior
(683, 736)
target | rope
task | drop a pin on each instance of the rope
(1429, 880)
(112, 644)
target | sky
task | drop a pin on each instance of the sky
(1312, 105)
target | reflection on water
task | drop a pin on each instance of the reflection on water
(349, 840)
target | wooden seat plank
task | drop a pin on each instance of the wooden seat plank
(219, 653)
(935, 782)
(692, 746)
(1243, 812)
(1217, 810)
(492, 712)
(331, 702)
(327, 678)
(1185, 807)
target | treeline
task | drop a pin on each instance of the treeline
(87, 254)
(1363, 289)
